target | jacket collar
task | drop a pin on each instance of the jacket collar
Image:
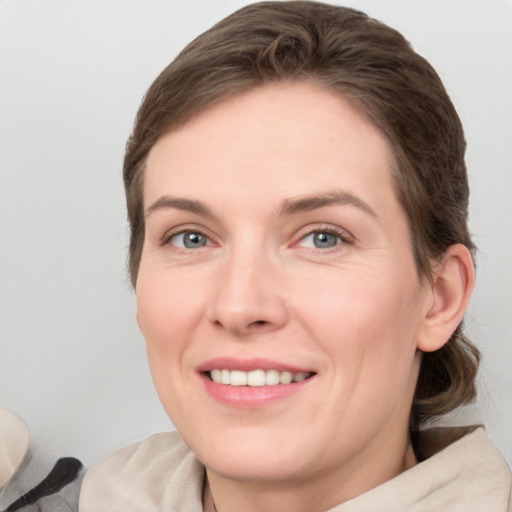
(466, 475)
(161, 473)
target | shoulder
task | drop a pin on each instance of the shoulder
(164, 448)
(464, 472)
(144, 476)
(468, 467)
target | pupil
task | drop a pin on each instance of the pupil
(323, 240)
(194, 240)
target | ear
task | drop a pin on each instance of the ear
(453, 279)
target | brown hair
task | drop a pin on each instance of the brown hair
(375, 68)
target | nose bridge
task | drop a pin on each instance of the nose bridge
(247, 294)
(241, 270)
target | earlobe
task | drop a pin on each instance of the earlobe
(452, 284)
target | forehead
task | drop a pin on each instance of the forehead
(292, 138)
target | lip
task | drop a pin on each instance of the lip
(248, 365)
(250, 396)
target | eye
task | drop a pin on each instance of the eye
(189, 240)
(321, 240)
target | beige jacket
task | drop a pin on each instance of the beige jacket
(160, 474)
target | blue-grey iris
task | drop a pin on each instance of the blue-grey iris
(194, 240)
(325, 240)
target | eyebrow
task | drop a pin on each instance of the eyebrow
(178, 203)
(288, 207)
(335, 197)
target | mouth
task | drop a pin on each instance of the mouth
(252, 383)
(255, 378)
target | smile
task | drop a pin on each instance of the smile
(256, 378)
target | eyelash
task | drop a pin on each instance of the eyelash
(166, 239)
(344, 237)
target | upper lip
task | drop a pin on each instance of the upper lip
(247, 365)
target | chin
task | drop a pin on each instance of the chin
(254, 455)
(260, 467)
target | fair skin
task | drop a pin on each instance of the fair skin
(275, 245)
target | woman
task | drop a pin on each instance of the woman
(297, 196)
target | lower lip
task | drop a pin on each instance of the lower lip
(251, 396)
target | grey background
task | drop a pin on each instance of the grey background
(72, 363)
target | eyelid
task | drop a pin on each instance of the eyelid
(345, 236)
(186, 228)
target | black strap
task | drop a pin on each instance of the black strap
(64, 472)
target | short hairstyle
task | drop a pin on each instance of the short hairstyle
(376, 70)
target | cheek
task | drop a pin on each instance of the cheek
(372, 350)
(166, 313)
(367, 325)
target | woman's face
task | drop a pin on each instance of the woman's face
(276, 250)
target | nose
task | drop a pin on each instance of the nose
(248, 297)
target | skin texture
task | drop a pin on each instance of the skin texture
(354, 314)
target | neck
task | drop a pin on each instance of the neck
(314, 494)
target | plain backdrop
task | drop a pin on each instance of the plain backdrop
(72, 362)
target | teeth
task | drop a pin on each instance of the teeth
(238, 378)
(225, 377)
(256, 378)
(299, 377)
(286, 377)
(272, 377)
